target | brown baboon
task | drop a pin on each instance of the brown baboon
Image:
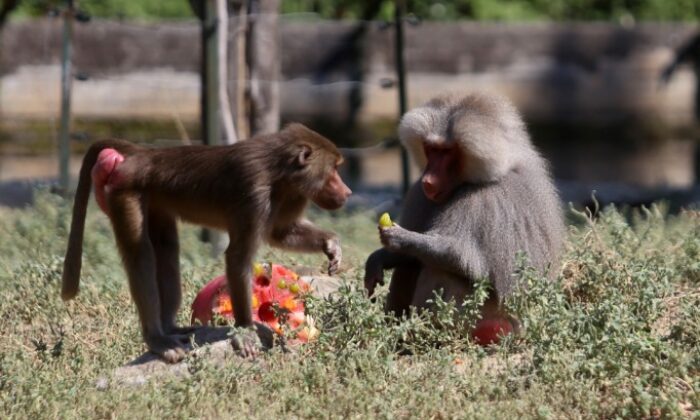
(485, 195)
(255, 190)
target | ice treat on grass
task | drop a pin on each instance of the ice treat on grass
(277, 300)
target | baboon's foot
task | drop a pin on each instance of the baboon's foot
(250, 341)
(170, 348)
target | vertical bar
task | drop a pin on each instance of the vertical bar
(211, 129)
(203, 82)
(203, 74)
(229, 129)
(399, 11)
(66, 78)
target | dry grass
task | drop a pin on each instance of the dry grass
(615, 336)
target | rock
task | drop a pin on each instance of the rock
(209, 342)
(323, 285)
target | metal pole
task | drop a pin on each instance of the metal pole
(203, 72)
(66, 78)
(399, 12)
(211, 127)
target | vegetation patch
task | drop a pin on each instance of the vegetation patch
(615, 335)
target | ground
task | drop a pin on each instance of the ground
(615, 335)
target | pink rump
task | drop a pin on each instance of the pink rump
(102, 175)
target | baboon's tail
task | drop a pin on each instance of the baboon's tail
(74, 254)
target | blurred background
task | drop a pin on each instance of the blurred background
(607, 87)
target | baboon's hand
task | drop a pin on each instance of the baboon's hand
(374, 272)
(394, 238)
(334, 254)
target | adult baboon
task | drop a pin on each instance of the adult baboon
(485, 195)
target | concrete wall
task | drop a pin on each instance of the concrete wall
(560, 75)
(554, 72)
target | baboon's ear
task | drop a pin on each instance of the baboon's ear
(304, 155)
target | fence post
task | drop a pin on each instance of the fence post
(399, 12)
(211, 129)
(210, 106)
(66, 78)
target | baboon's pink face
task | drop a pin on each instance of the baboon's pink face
(334, 193)
(442, 172)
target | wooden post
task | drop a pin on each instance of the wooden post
(399, 12)
(222, 43)
(237, 62)
(66, 79)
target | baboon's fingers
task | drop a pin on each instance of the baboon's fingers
(333, 266)
(334, 253)
(371, 284)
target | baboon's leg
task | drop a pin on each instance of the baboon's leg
(402, 287)
(130, 223)
(239, 261)
(162, 229)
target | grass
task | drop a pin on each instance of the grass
(616, 335)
